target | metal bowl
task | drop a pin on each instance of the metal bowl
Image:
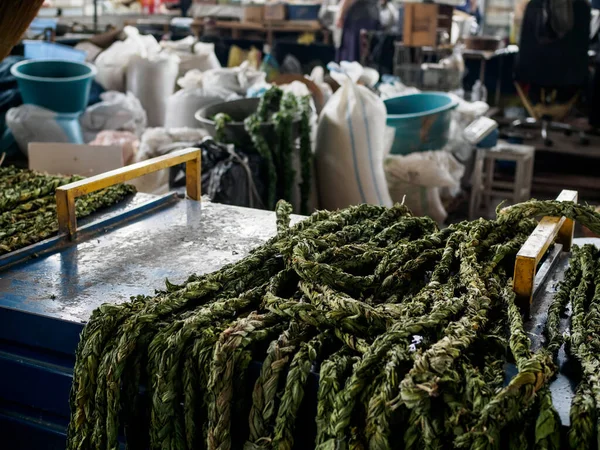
(235, 131)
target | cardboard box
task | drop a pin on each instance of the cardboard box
(275, 11)
(74, 159)
(420, 24)
(253, 13)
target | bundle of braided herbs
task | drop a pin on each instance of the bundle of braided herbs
(581, 289)
(282, 110)
(28, 205)
(406, 327)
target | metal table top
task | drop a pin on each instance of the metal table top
(183, 238)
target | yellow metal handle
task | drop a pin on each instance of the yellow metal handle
(549, 230)
(66, 195)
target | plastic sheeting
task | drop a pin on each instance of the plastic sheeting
(229, 176)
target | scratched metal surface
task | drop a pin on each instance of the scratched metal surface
(187, 237)
(563, 387)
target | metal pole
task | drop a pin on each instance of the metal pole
(95, 16)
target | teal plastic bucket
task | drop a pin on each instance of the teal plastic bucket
(422, 121)
(58, 85)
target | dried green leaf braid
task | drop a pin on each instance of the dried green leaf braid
(289, 115)
(294, 389)
(221, 120)
(28, 206)
(407, 328)
(264, 396)
(584, 416)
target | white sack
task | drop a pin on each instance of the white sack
(112, 63)
(152, 80)
(30, 123)
(193, 55)
(116, 111)
(235, 81)
(183, 104)
(351, 147)
(158, 142)
(418, 178)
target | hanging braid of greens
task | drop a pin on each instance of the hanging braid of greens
(373, 296)
(585, 404)
(331, 378)
(283, 211)
(262, 412)
(283, 120)
(294, 389)
(547, 429)
(534, 374)
(398, 336)
(221, 120)
(166, 349)
(584, 416)
(282, 110)
(306, 154)
(254, 127)
(228, 354)
(197, 289)
(584, 411)
(435, 364)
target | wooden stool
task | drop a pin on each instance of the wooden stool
(484, 186)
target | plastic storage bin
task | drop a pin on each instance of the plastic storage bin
(303, 11)
(51, 50)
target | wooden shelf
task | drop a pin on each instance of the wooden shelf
(270, 27)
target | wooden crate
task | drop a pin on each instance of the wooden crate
(424, 21)
(275, 11)
(254, 13)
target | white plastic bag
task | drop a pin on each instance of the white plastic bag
(193, 55)
(318, 77)
(183, 104)
(351, 147)
(465, 113)
(418, 178)
(191, 80)
(158, 142)
(152, 80)
(112, 63)
(236, 80)
(116, 111)
(30, 123)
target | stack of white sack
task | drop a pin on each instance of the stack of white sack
(112, 63)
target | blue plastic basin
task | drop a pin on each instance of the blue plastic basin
(422, 121)
(52, 50)
(58, 85)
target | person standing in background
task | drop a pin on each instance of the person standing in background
(353, 16)
(389, 16)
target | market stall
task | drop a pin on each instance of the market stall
(212, 237)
